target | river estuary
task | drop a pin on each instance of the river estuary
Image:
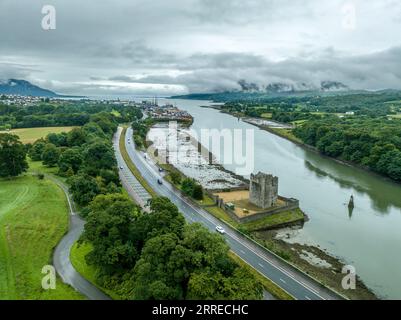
(369, 238)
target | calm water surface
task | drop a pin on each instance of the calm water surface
(368, 238)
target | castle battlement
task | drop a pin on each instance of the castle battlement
(263, 190)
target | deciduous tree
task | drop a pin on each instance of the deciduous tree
(108, 229)
(50, 155)
(12, 156)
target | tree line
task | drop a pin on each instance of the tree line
(374, 143)
(363, 102)
(290, 108)
(84, 155)
(141, 128)
(157, 256)
(55, 113)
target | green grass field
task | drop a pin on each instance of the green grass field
(116, 113)
(275, 219)
(30, 135)
(33, 219)
(267, 115)
(271, 221)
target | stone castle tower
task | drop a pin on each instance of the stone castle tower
(263, 190)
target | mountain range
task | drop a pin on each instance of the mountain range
(24, 88)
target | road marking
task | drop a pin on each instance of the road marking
(278, 267)
(308, 298)
(283, 281)
(250, 249)
(242, 251)
(261, 265)
(205, 215)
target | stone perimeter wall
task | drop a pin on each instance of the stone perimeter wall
(291, 204)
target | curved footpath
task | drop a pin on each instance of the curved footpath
(61, 256)
(296, 283)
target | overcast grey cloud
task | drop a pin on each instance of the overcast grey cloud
(179, 46)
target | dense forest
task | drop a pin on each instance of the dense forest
(371, 142)
(158, 256)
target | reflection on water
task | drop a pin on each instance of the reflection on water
(367, 236)
(343, 183)
(350, 211)
(383, 193)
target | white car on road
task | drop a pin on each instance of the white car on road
(220, 230)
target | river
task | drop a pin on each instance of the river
(369, 238)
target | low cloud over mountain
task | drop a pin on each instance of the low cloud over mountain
(23, 88)
(176, 47)
(329, 71)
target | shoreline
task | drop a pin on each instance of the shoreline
(293, 252)
(306, 146)
(202, 151)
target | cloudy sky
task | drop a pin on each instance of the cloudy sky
(180, 46)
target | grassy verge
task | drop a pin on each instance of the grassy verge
(269, 285)
(33, 219)
(77, 257)
(290, 216)
(30, 135)
(131, 166)
(206, 201)
(219, 213)
(275, 220)
(37, 167)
